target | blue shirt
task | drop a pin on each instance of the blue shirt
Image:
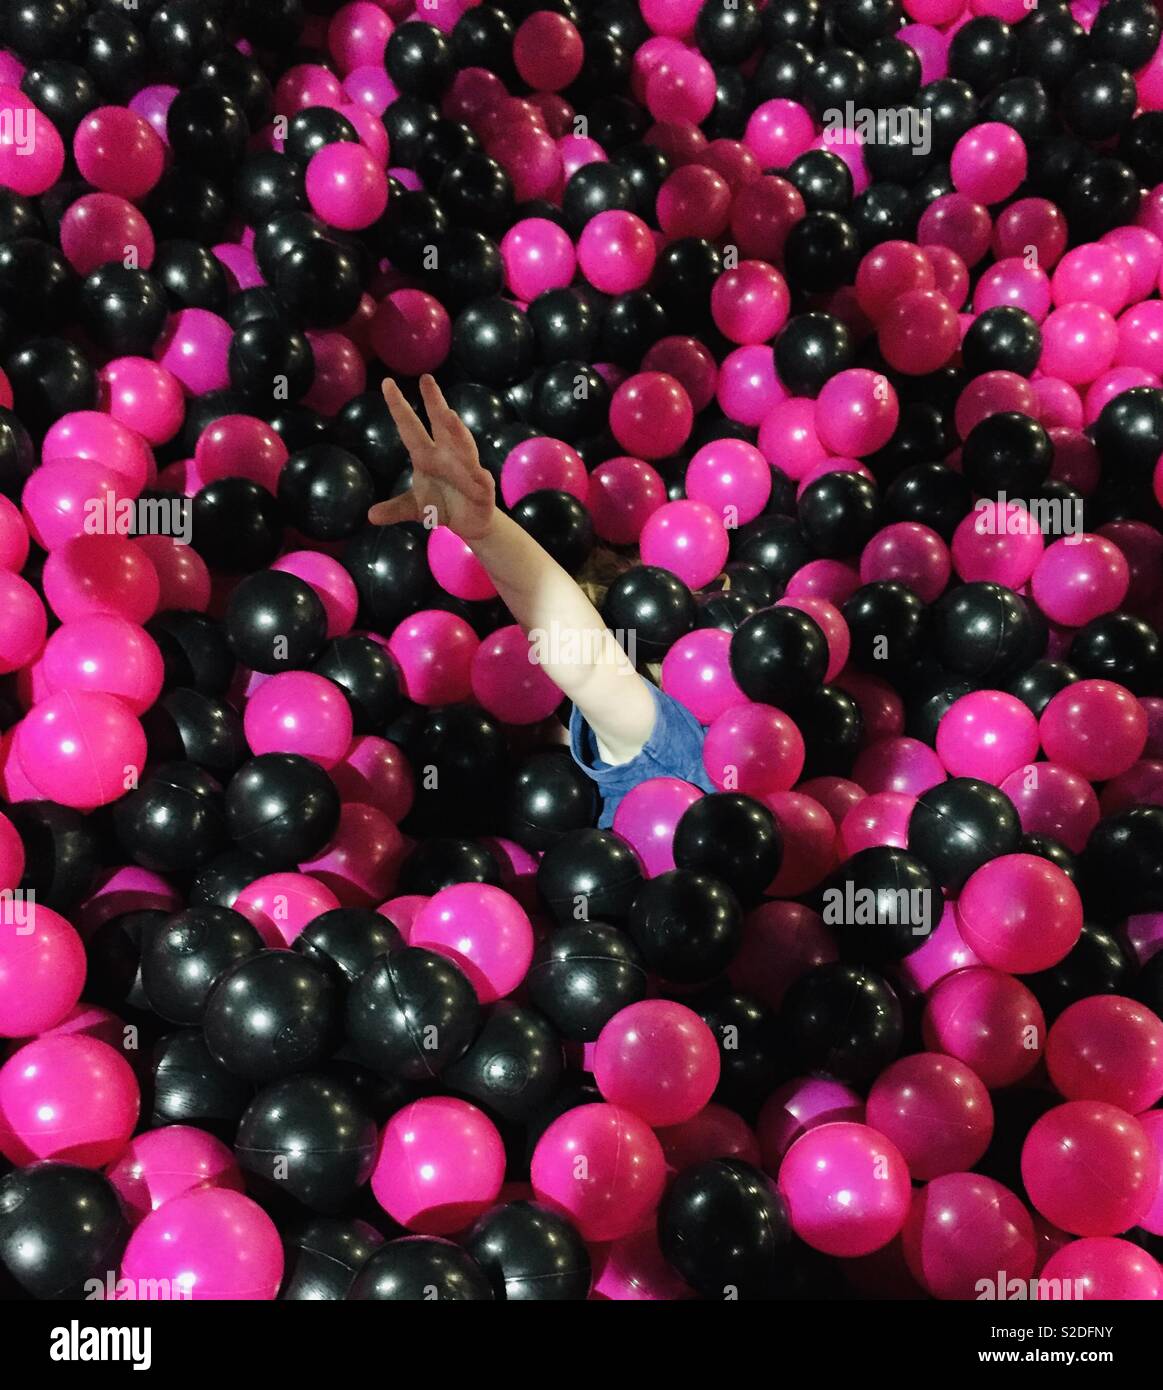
(674, 749)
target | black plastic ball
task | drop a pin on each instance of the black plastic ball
(844, 1020)
(582, 974)
(183, 957)
(282, 808)
(62, 1229)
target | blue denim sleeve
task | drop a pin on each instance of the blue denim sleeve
(674, 749)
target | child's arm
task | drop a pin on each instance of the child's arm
(450, 486)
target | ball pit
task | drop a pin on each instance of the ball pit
(845, 980)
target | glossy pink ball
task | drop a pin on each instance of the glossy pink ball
(118, 151)
(143, 395)
(936, 1110)
(1079, 342)
(195, 347)
(650, 413)
(615, 253)
(441, 1163)
(68, 1097)
(1105, 1269)
(508, 682)
(42, 959)
(887, 272)
(959, 222)
(732, 477)
(997, 542)
(898, 765)
(91, 434)
(778, 132)
(411, 332)
(280, 905)
(81, 748)
(697, 672)
(1079, 578)
(961, 1229)
(750, 304)
(798, 1106)
(434, 651)
(210, 1243)
(911, 553)
(1095, 273)
(694, 201)
(484, 930)
(690, 362)
(104, 652)
(163, 1163)
(856, 412)
(919, 332)
(989, 1021)
(543, 462)
(754, 749)
(623, 1178)
(1108, 1048)
(686, 538)
(537, 256)
(302, 713)
(646, 818)
(846, 1187)
(880, 819)
(1052, 800)
(1064, 1151)
(360, 865)
(455, 568)
(548, 51)
(1020, 913)
(1095, 727)
(346, 187)
(715, 1132)
(789, 436)
(375, 772)
(987, 734)
(23, 622)
(657, 1059)
(624, 492)
(988, 162)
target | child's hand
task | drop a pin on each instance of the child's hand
(449, 486)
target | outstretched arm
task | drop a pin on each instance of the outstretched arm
(578, 651)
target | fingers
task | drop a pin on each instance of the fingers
(413, 435)
(444, 420)
(402, 508)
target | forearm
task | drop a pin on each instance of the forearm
(575, 648)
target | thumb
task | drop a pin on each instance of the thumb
(402, 508)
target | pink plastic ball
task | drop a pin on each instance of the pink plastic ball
(23, 622)
(961, 1229)
(781, 942)
(988, 162)
(164, 1163)
(1020, 913)
(91, 434)
(548, 51)
(332, 584)
(958, 222)
(650, 414)
(537, 256)
(624, 493)
(750, 304)
(434, 651)
(846, 1187)
(340, 372)
(410, 332)
(681, 87)
(615, 253)
(799, 1106)
(81, 748)
(1079, 342)
(998, 542)
(622, 1180)
(13, 537)
(748, 388)
(1096, 273)
(68, 1097)
(657, 1059)
(646, 818)
(898, 765)
(543, 462)
(32, 153)
(118, 151)
(358, 34)
(789, 436)
(943, 953)
(455, 568)
(1094, 727)
(690, 363)
(856, 412)
(374, 771)
(686, 538)
(359, 866)
(989, 1021)
(143, 395)
(763, 212)
(210, 1243)
(987, 734)
(989, 394)
(715, 1132)
(1103, 1268)
(809, 842)
(42, 959)
(1052, 800)
(1035, 222)
(936, 1110)
(697, 672)
(1107, 1048)
(880, 819)
(441, 1163)
(694, 201)
(105, 653)
(754, 749)
(1080, 578)
(887, 272)
(507, 683)
(302, 713)
(484, 930)
(101, 574)
(280, 905)
(1090, 1168)
(778, 132)
(911, 553)
(919, 332)
(195, 346)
